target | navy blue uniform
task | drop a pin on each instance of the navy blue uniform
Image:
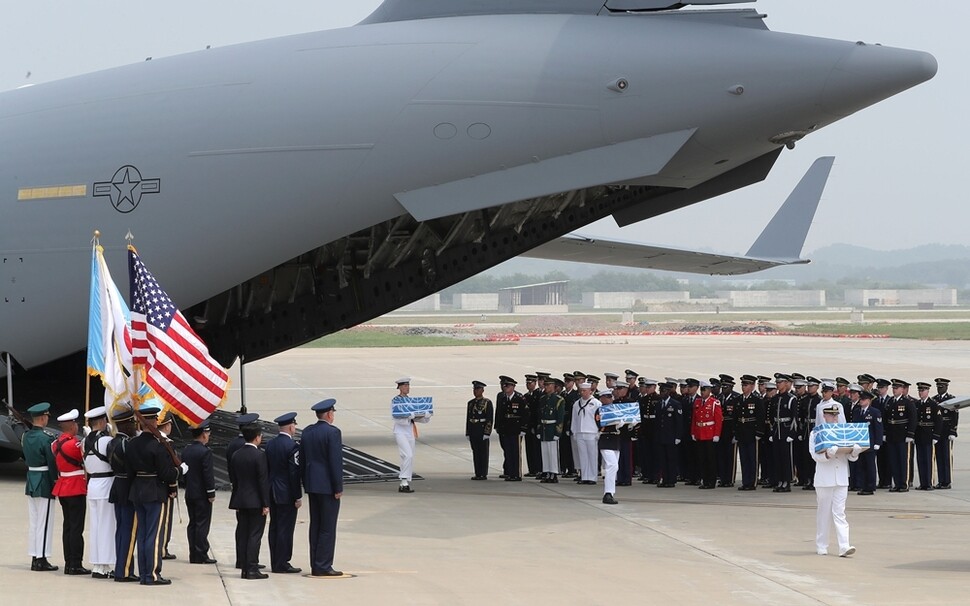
(124, 509)
(948, 428)
(670, 429)
(900, 424)
(511, 419)
(283, 459)
(784, 429)
(200, 486)
(865, 469)
(250, 494)
(647, 446)
(152, 475)
(478, 426)
(726, 448)
(322, 463)
(928, 422)
(749, 426)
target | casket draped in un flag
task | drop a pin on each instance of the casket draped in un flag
(403, 407)
(841, 435)
(620, 413)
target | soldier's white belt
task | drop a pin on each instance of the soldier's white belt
(44, 468)
(548, 421)
(743, 420)
(783, 419)
(477, 421)
(898, 421)
(704, 424)
(70, 474)
(926, 424)
(649, 416)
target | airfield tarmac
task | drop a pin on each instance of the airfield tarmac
(460, 542)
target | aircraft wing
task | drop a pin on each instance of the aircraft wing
(956, 403)
(780, 243)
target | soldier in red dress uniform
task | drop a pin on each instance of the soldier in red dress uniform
(71, 489)
(706, 432)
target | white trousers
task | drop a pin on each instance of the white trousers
(40, 530)
(550, 456)
(831, 508)
(611, 463)
(405, 448)
(586, 444)
(101, 532)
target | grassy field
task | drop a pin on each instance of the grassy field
(374, 338)
(930, 330)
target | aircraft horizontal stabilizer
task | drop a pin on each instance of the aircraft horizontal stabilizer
(779, 244)
(609, 164)
(956, 403)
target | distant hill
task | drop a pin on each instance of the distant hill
(849, 255)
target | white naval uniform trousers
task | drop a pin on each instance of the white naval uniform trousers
(831, 492)
(611, 463)
(101, 513)
(404, 436)
(586, 437)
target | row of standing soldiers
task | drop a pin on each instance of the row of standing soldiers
(765, 426)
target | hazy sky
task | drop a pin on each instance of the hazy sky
(898, 177)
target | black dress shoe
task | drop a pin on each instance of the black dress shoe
(204, 561)
(168, 556)
(76, 570)
(99, 575)
(865, 493)
(158, 581)
(128, 579)
(942, 487)
(288, 570)
(254, 574)
(478, 478)
(509, 479)
(42, 565)
(745, 487)
(728, 485)
(407, 489)
(808, 487)
(609, 500)
(623, 484)
(327, 573)
(903, 489)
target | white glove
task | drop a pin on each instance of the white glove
(486, 436)
(86, 431)
(717, 439)
(876, 447)
(758, 438)
(693, 438)
(555, 438)
(734, 440)
(676, 441)
(789, 440)
(832, 451)
(935, 442)
(856, 449)
(771, 438)
(184, 467)
(521, 434)
(411, 416)
(909, 440)
(953, 438)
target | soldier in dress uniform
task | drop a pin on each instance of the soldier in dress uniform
(608, 444)
(881, 401)
(200, 493)
(900, 420)
(688, 452)
(570, 393)
(766, 452)
(784, 410)
(928, 422)
(749, 428)
(552, 415)
(832, 487)
(285, 493)
(478, 428)
(41, 475)
(164, 428)
(511, 420)
(727, 447)
(706, 427)
(611, 378)
(949, 419)
(321, 459)
(101, 515)
(670, 427)
(851, 406)
(237, 442)
(586, 433)
(71, 490)
(762, 386)
(647, 445)
(842, 393)
(405, 433)
(533, 457)
(250, 499)
(152, 472)
(813, 415)
(800, 454)
(119, 497)
(624, 473)
(865, 469)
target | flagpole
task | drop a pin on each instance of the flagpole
(95, 242)
(9, 380)
(242, 384)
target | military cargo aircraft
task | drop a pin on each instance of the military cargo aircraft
(285, 189)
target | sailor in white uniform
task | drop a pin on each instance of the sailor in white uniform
(831, 488)
(586, 432)
(101, 513)
(404, 434)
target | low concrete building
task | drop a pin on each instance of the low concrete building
(484, 301)
(545, 298)
(628, 300)
(429, 303)
(774, 298)
(922, 297)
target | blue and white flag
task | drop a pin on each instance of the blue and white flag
(109, 341)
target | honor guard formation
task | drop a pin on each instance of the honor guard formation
(125, 481)
(693, 431)
(697, 431)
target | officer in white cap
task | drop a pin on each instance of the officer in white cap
(831, 486)
(101, 513)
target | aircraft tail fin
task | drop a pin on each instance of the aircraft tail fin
(784, 236)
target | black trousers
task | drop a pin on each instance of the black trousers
(624, 472)
(566, 463)
(479, 455)
(74, 509)
(533, 453)
(669, 460)
(924, 461)
(865, 471)
(324, 509)
(282, 523)
(510, 448)
(706, 461)
(898, 456)
(727, 456)
(124, 539)
(748, 454)
(649, 455)
(943, 461)
(767, 462)
(781, 455)
(197, 530)
(882, 464)
(250, 524)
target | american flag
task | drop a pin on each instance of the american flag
(175, 361)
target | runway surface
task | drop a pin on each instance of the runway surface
(460, 542)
